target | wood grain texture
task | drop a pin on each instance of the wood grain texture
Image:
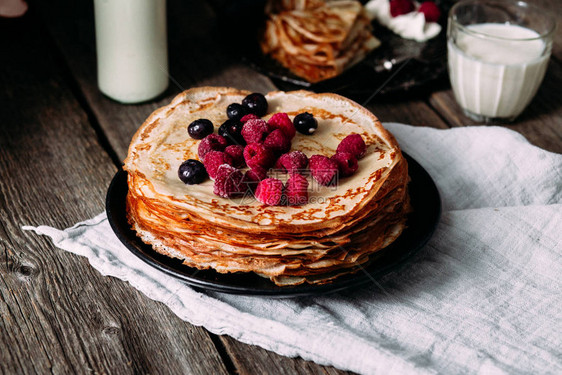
(265, 362)
(413, 112)
(58, 314)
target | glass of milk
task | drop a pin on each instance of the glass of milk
(131, 46)
(498, 51)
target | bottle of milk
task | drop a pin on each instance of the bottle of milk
(131, 45)
(496, 67)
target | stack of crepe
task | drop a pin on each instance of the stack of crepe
(317, 40)
(335, 233)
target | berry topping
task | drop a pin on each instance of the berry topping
(292, 162)
(269, 191)
(253, 176)
(212, 142)
(283, 122)
(257, 155)
(192, 172)
(255, 131)
(430, 10)
(353, 144)
(324, 170)
(277, 142)
(236, 111)
(200, 128)
(232, 131)
(400, 7)
(249, 116)
(228, 182)
(213, 160)
(305, 123)
(256, 104)
(296, 190)
(236, 152)
(347, 163)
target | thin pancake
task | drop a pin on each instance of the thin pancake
(337, 231)
(320, 41)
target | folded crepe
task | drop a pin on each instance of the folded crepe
(332, 235)
(317, 40)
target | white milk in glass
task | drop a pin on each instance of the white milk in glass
(131, 45)
(496, 77)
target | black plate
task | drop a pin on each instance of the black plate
(399, 66)
(421, 225)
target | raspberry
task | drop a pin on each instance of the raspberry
(249, 116)
(212, 142)
(430, 10)
(269, 191)
(400, 7)
(228, 183)
(324, 170)
(292, 162)
(347, 163)
(277, 142)
(253, 176)
(236, 152)
(255, 131)
(213, 160)
(296, 190)
(257, 155)
(281, 121)
(353, 144)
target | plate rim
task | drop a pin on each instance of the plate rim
(116, 214)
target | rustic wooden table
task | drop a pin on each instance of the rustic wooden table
(61, 142)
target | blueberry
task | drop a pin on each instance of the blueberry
(256, 104)
(305, 123)
(232, 131)
(236, 111)
(192, 172)
(199, 129)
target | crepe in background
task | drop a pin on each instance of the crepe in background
(317, 40)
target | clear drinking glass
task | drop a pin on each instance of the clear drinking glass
(498, 51)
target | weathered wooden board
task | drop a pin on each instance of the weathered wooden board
(57, 314)
(60, 140)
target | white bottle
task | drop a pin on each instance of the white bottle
(131, 45)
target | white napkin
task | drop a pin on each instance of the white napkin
(484, 296)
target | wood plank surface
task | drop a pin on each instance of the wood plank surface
(60, 140)
(57, 314)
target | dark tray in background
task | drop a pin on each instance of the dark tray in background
(396, 68)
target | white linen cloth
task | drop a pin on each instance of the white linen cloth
(483, 297)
